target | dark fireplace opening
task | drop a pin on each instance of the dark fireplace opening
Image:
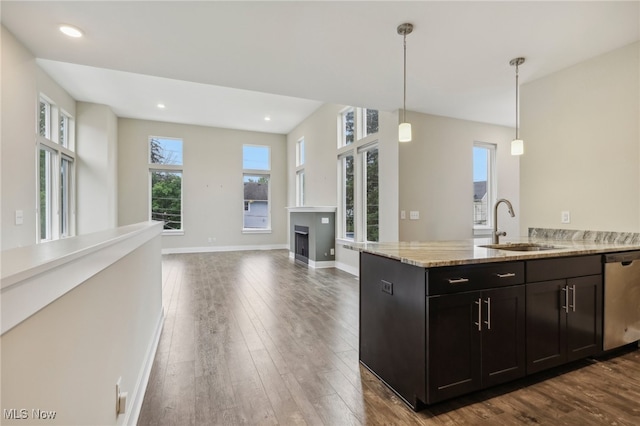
(302, 243)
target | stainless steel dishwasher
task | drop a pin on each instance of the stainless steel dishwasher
(621, 299)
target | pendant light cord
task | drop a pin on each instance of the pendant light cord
(404, 101)
(517, 101)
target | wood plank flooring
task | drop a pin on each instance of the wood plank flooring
(254, 338)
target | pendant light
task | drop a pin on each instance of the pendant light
(517, 145)
(404, 129)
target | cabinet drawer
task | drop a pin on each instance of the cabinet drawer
(455, 279)
(563, 267)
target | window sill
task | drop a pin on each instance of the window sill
(482, 231)
(173, 232)
(345, 241)
(256, 231)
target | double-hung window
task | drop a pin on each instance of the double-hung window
(484, 185)
(56, 172)
(358, 202)
(165, 183)
(256, 177)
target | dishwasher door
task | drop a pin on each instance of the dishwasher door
(621, 299)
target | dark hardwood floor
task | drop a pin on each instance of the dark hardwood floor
(254, 338)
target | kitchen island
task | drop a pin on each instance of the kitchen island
(442, 319)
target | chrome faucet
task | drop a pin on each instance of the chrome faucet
(495, 236)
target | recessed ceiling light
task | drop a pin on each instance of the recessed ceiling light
(267, 118)
(71, 31)
(161, 106)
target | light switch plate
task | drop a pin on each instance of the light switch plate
(325, 220)
(414, 215)
(565, 217)
(19, 217)
(403, 214)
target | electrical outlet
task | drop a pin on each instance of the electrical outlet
(333, 252)
(121, 398)
(565, 217)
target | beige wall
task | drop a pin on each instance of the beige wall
(436, 177)
(19, 96)
(212, 184)
(22, 81)
(582, 145)
(97, 168)
(68, 356)
(319, 132)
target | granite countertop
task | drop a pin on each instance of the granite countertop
(465, 252)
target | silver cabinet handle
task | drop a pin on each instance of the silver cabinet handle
(573, 297)
(488, 321)
(506, 275)
(479, 323)
(565, 289)
(458, 280)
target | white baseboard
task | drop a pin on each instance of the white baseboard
(316, 264)
(322, 264)
(348, 268)
(131, 416)
(212, 249)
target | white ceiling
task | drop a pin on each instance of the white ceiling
(229, 64)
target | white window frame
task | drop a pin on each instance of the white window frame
(492, 189)
(166, 168)
(358, 149)
(49, 142)
(258, 173)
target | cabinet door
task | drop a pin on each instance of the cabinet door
(503, 335)
(584, 320)
(453, 343)
(546, 325)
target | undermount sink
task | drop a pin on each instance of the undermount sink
(521, 246)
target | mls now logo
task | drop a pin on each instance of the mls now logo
(23, 413)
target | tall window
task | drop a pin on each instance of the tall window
(348, 197)
(358, 206)
(347, 127)
(165, 176)
(256, 177)
(300, 172)
(484, 187)
(56, 172)
(369, 122)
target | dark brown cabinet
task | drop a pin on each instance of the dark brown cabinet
(436, 333)
(475, 340)
(564, 315)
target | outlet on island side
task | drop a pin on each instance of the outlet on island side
(565, 217)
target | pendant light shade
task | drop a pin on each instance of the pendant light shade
(404, 132)
(517, 145)
(404, 129)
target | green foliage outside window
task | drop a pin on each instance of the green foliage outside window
(372, 195)
(166, 198)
